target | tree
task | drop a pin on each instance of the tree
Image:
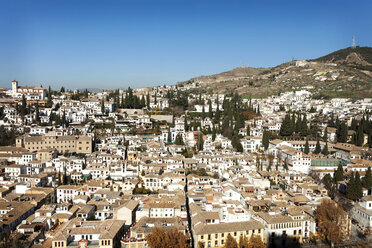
(358, 186)
(265, 139)
(159, 238)
(103, 106)
(37, 114)
(354, 190)
(243, 241)
(325, 135)
(317, 147)
(23, 106)
(235, 142)
(350, 187)
(327, 180)
(248, 130)
(200, 244)
(367, 179)
(214, 133)
(169, 137)
(304, 127)
(256, 242)
(286, 128)
(339, 174)
(332, 220)
(200, 142)
(62, 89)
(307, 149)
(325, 149)
(179, 140)
(359, 136)
(210, 112)
(230, 242)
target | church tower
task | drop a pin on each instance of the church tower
(14, 86)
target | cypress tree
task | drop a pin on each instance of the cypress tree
(169, 138)
(298, 124)
(248, 130)
(304, 128)
(143, 101)
(148, 100)
(286, 128)
(185, 125)
(235, 142)
(353, 124)
(359, 136)
(358, 186)
(339, 174)
(200, 143)
(179, 140)
(307, 149)
(103, 106)
(325, 149)
(350, 188)
(293, 123)
(213, 133)
(367, 179)
(37, 114)
(317, 147)
(265, 139)
(24, 106)
(210, 112)
(325, 135)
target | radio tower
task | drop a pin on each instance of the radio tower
(353, 43)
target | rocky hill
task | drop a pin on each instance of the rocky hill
(344, 73)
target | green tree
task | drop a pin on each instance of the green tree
(102, 106)
(265, 139)
(23, 106)
(358, 186)
(214, 133)
(307, 149)
(304, 128)
(359, 136)
(37, 114)
(325, 135)
(325, 149)
(62, 89)
(169, 137)
(286, 128)
(367, 179)
(248, 130)
(351, 188)
(317, 147)
(210, 112)
(200, 142)
(339, 174)
(235, 142)
(179, 140)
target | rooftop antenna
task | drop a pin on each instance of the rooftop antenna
(353, 43)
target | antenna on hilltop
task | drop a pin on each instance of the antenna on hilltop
(353, 43)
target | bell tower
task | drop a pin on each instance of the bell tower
(14, 86)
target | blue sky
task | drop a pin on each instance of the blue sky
(112, 44)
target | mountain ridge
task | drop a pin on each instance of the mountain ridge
(347, 71)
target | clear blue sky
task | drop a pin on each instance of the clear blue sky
(111, 44)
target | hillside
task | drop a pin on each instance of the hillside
(358, 57)
(344, 73)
